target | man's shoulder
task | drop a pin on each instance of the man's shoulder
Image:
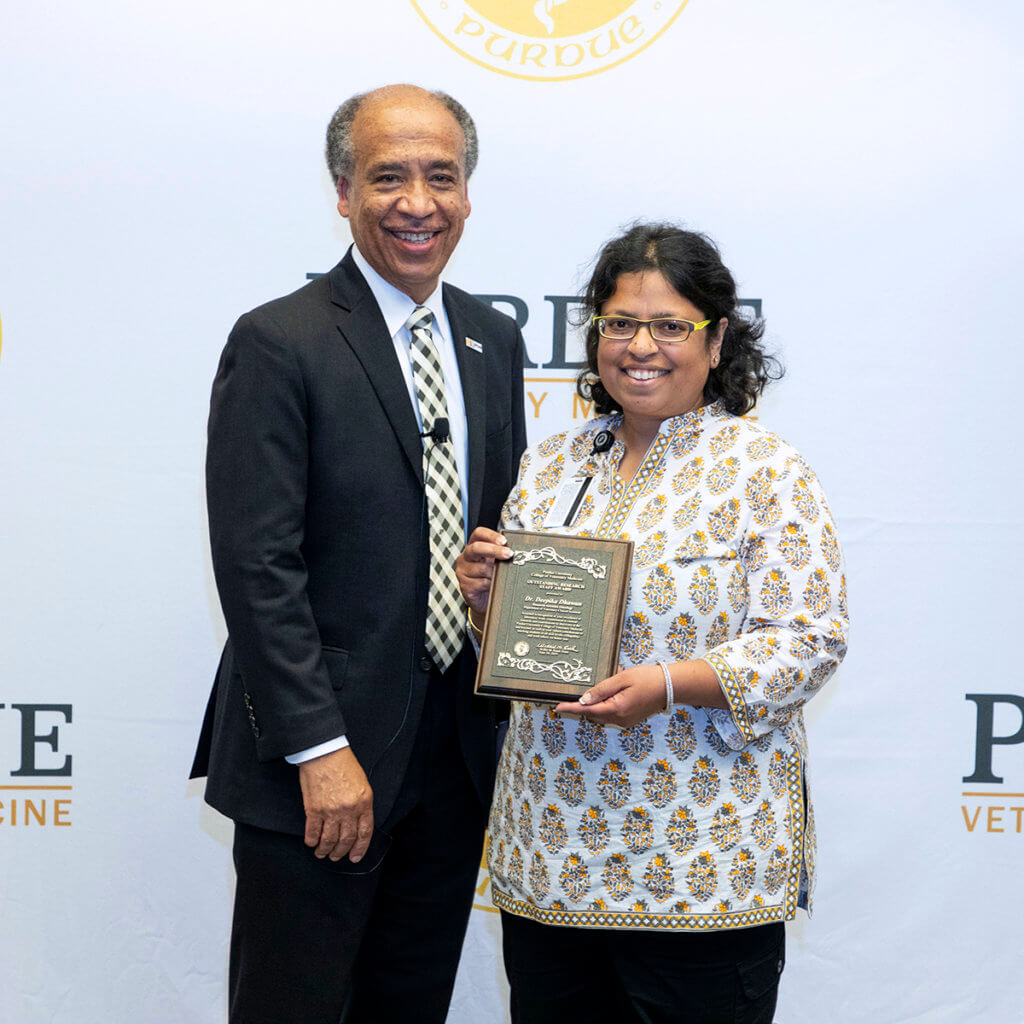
(309, 313)
(296, 306)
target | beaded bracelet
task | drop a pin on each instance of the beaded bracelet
(669, 693)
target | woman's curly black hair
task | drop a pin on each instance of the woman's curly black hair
(692, 264)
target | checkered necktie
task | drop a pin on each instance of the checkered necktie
(445, 610)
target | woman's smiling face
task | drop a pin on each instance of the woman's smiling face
(652, 381)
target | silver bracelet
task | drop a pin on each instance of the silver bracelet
(669, 693)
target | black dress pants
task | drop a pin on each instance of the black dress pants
(619, 976)
(319, 942)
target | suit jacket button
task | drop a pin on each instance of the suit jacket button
(426, 664)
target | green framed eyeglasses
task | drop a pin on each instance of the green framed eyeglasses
(664, 330)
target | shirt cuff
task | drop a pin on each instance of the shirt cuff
(328, 747)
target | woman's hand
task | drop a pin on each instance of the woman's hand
(475, 566)
(623, 699)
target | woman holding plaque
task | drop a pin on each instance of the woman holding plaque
(648, 841)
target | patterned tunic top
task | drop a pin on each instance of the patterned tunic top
(700, 818)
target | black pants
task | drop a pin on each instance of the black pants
(319, 942)
(618, 976)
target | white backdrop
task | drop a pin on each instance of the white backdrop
(860, 165)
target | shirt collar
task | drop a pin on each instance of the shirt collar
(694, 420)
(395, 306)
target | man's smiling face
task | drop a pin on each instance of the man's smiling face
(406, 201)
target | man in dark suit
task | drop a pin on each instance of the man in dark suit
(342, 735)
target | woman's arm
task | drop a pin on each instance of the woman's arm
(636, 693)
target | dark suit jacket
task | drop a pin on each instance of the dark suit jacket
(316, 508)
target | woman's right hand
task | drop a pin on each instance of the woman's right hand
(475, 566)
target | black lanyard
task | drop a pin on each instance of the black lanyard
(603, 440)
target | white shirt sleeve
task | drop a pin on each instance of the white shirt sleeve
(327, 747)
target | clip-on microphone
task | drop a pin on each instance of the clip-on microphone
(439, 432)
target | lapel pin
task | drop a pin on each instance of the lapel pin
(475, 345)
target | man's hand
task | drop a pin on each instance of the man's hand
(339, 805)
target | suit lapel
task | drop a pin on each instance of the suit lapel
(474, 393)
(362, 327)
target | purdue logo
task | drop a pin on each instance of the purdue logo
(548, 40)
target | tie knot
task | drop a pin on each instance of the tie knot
(419, 319)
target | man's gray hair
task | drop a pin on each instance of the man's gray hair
(341, 158)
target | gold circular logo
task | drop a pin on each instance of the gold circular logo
(548, 40)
